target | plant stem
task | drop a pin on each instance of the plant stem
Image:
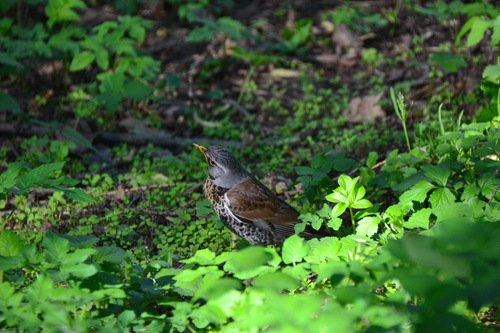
(406, 136)
(441, 126)
(352, 221)
(245, 82)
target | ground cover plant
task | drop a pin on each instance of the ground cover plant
(379, 123)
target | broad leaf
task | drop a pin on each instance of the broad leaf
(477, 31)
(75, 137)
(294, 249)
(419, 219)
(417, 192)
(81, 61)
(56, 247)
(368, 226)
(441, 197)
(7, 103)
(438, 174)
(10, 244)
(79, 270)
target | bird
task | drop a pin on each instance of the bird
(245, 205)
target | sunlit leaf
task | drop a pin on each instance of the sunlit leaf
(294, 249)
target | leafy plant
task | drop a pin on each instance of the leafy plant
(19, 179)
(294, 38)
(63, 11)
(223, 25)
(355, 18)
(475, 29)
(315, 178)
(348, 196)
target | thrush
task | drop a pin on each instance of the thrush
(244, 204)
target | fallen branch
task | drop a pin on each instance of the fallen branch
(157, 138)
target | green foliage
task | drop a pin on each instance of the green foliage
(475, 29)
(126, 73)
(350, 195)
(450, 62)
(355, 18)
(294, 38)
(413, 243)
(223, 25)
(19, 179)
(63, 11)
(315, 178)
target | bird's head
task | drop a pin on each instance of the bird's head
(223, 167)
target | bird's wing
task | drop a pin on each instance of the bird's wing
(252, 201)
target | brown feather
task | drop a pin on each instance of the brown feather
(252, 201)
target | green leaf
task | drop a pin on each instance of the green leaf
(471, 191)
(419, 219)
(360, 193)
(466, 27)
(441, 197)
(40, 290)
(203, 34)
(362, 204)
(56, 247)
(213, 287)
(137, 91)
(417, 192)
(489, 185)
(450, 62)
(438, 174)
(230, 27)
(8, 178)
(11, 262)
(137, 32)
(477, 30)
(337, 196)
(7, 60)
(371, 159)
(347, 182)
(248, 261)
(495, 38)
(79, 270)
(368, 226)
(102, 58)
(78, 257)
(338, 209)
(323, 249)
(63, 11)
(277, 281)
(314, 220)
(81, 61)
(41, 176)
(112, 254)
(7, 103)
(294, 249)
(335, 223)
(75, 137)
(201, 257)
(10, 244)
(492, 73)
(78, 195)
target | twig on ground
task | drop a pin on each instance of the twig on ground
(160, 139)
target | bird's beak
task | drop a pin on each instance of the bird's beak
(202, 149)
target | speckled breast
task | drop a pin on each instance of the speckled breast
(249, 231)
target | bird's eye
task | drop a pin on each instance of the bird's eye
(210, 162)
